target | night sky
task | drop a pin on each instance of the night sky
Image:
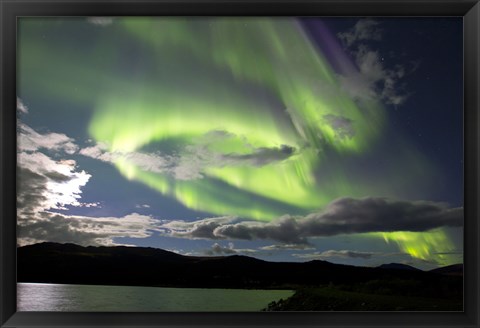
(284, 139)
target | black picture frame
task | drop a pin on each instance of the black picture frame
(11, 9)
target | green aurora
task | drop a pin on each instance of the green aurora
(282, 62)
(234, 89)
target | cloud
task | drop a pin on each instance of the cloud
(342, 126)
(190, 163)
(342, 216)
(285, 230)
(94, 204)
(373, 80)
(201, 229)
(179, 167)
(381, 80)
(415, 262)
(100, 21)
(43, 183)
(152, 162)
(30, 140)
(32, 193)
(286, 247)
(84, 230)
(363, 30)
(454, 252)
(21, 107)
(260, 156)
(336, 254)
(142, 206)
(218, 250)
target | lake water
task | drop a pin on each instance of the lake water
(89, 298)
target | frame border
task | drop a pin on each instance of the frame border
(11, 9)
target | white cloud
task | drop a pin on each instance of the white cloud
(47, 184)
(94, 204)
(21, 107)
(42, 182)
(190, 163)
(151, 162)
(100, 21)
(200, 229)
(30, 140)
(142, 206)
(219, 250)
(96, 151)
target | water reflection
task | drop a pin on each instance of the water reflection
(88, 298)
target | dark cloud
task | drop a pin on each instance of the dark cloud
(378, 214)
(31, 190)
(205, 230)
(261, 156)
(285, 229)
(337, 254)
(57, 229)
(415, 262)
(286, 247)
(83, 230)
(449, 253)
(342, 216)
(57, 176)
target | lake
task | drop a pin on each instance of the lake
(90, 298)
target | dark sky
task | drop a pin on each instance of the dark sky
(433, 114)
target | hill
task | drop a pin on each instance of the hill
(140, 266)
(398, 266)
(450, 270)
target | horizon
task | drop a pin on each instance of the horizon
(236, 255)
(285, 140)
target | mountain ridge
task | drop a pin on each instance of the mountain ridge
(147, 266)
(397, 266)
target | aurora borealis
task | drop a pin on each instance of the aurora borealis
(278, 137)
(284, 66)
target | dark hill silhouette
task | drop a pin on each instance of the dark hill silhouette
(451, 270)
(398, 266)
(140, 266)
